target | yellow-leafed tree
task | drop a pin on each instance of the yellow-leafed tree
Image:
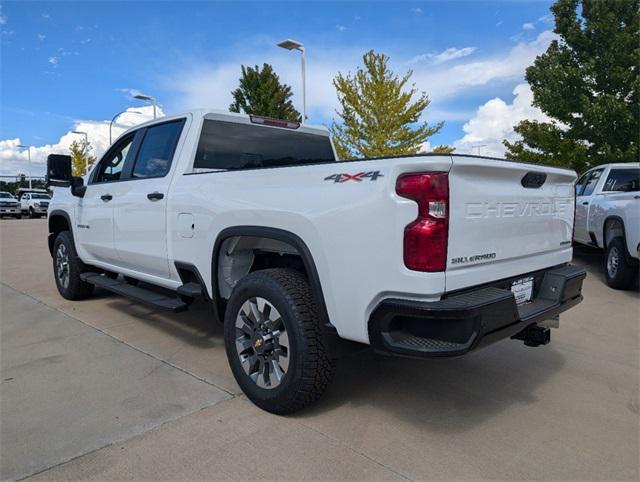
(379, 112)
(81, 158)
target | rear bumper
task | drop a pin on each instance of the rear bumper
(466, 321)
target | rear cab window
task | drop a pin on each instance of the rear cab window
(234, 146)
(622, 180)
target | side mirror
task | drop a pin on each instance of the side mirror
(77, 186)
(58, 170)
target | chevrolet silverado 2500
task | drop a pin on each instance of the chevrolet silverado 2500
(608, 217)
(420, 256)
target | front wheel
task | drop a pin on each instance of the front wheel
(620, 269)
(67, 268)
(273, 341)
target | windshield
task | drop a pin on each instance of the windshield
(39, 196)
(231, 145)
(5, 195)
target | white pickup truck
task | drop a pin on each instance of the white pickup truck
(420, 256)
(34, 203)
(608, 217)
(9, 205)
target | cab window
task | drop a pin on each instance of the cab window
(110, 168)
(157, 149)
(622, 180)
(591, 183)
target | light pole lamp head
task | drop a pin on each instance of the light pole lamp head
(291, 45)
(147, 98)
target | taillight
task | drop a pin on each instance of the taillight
(426, 238)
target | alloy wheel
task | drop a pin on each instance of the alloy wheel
(62, 266)
(613, 262)
(262, 342)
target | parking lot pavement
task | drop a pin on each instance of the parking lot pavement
(569, 410)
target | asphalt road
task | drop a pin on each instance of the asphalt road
(107, 389)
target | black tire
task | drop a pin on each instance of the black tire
(620, 269)
(32, 213)
(73, 288)
(309, 369)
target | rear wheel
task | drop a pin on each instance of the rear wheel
(273, 341)
(619, 268)
(67, 268)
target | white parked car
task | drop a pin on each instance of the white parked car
(421, 256)
(608, 217)
(9, 205)
(35, 204)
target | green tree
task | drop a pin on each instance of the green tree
(378, 113)
(81, 157)
(587, 82)
(261, 93)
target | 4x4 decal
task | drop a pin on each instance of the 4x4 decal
(359, 177)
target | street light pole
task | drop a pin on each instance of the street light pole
(118, 115)
(28, 148)
(295, 45)
(86, 144)
(147, 98)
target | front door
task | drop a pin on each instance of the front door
(140, 202)
(94, 226)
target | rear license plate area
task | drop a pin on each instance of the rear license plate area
(522, 290)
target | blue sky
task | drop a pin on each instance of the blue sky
(64, 63)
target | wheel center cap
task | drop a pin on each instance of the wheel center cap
(258, 343)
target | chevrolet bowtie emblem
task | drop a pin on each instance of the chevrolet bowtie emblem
(258, 343)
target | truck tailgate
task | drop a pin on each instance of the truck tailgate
(503, 222)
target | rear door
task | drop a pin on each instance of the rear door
(506, 218)
(140, 201)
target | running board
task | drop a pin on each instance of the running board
(135, 293)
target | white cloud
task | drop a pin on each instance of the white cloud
(547, 19)
(448, 81)
(494, 120)
(53, 60)
(425, 147)
(44, 15)
(340, 28)
(451, 53)
(528, 26)
(41, 37)
(417, 10)
(14, 160)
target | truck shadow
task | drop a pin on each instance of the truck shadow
(196, 327)
(448, 396)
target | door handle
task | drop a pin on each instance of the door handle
(586, 203)
(155, 196)
(106, 197)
